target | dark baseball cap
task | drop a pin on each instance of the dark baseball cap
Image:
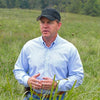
(50, 14)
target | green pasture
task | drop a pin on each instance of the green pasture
(17, 26)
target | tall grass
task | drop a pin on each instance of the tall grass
(18, 26)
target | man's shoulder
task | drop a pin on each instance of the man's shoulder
(68, 46)
(31, 42)
(66, 42)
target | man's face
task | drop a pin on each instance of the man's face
(49, 28)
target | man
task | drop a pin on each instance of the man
(47, 56)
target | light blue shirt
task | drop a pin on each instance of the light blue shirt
(61, 59)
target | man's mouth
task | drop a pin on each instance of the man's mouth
(45, 31)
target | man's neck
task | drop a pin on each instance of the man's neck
(49, 41)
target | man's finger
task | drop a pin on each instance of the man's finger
(37, 84)
(37, 75)
(46, 78)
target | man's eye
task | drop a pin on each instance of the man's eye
(50, 22)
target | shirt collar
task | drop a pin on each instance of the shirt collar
(54, 42)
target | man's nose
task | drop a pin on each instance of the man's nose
(45, 25)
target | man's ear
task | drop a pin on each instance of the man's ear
(59, 25)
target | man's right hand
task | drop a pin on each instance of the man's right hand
(35, 83)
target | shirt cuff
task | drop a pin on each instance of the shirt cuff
(25, 81)
(63, 85)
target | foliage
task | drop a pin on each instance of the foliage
(92, 7)
(87, 7)
(17, 26)
(74, 6)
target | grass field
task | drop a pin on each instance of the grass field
(18, 26)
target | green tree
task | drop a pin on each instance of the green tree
(92, 7)
(10, 3)
(44, 3)
(24, 4)
(17, 3)
(74, 6)
(61, 5)
(34, 4)
(3, 4)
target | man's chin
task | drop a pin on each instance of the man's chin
(45, 35)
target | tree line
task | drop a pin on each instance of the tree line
(87, 7)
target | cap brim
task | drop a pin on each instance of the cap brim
(47, 16)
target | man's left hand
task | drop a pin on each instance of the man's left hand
(47, 83)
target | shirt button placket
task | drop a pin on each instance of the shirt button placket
(46, 60)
